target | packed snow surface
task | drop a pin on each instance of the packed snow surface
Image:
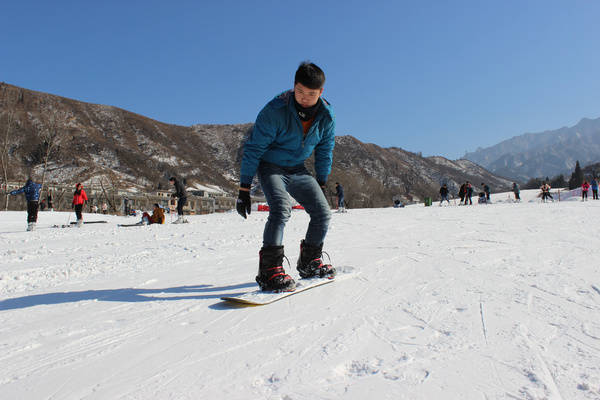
(497, 301)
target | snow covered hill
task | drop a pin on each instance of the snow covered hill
(497, 301)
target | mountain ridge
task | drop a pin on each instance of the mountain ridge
(547, 153)
(101, 143)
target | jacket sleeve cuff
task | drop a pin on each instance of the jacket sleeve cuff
(322, 180)
(246, 180)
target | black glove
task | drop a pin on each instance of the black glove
(323, 186)
(243, 203)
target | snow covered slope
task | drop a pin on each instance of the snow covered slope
(483, 302)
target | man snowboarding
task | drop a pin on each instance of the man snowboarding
(287, 131)
(339, 191)
(181, 195)
(32, 195)
(79, 199)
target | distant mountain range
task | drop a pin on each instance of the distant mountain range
(548, 153)
(97, 143)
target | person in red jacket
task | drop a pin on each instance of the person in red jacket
(584, 190)
(79, 199)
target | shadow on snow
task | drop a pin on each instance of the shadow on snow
(130, 295)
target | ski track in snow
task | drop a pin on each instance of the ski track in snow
(482, 302)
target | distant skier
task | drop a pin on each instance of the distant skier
(486, 190)
(546, 192)
(594, 185)
(585, 187)
(49, 200)
(462, 192)
(468, 193)
(32, 195)
(516, 191)
(181, 195)
(339, 191)
(104, 208)
(126, 206)
(79, 199)
(287, 131)
(444, 194)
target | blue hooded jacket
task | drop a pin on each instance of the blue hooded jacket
(278, 138)
(31, 190)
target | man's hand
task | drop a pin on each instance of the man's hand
(323, 186)
(243, 204)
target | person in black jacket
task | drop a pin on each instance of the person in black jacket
(181, 194)
(469, 193)
(49, 203)
(339, 191)
(444, 194)
(462, 192)
(486, 190)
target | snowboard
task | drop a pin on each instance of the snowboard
(128, 225)
(260, 298)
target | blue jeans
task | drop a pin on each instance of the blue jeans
(276, 183)
(341, 201)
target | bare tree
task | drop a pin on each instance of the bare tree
(5, 145)
(112, 185)
(49, 137)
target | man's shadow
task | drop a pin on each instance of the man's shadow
(130, 295)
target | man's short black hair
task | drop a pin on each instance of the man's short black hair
(172, 179)
(309, 75)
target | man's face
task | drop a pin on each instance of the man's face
(306, 97)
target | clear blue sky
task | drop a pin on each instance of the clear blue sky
(439, 77)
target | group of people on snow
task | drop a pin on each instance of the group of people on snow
(80, 198)
(465, 192)
(32, 195)
(585, 188)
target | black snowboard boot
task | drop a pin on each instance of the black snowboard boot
(310, 263)
(271, 275)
